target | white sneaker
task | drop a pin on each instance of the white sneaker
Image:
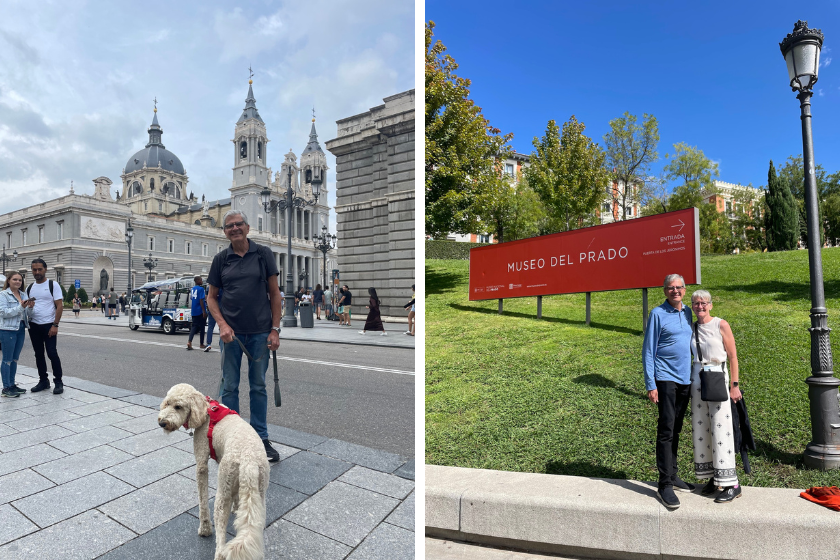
(383, 334)
(407, 332)
(361, 332)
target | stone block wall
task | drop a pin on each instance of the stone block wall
(375, 202)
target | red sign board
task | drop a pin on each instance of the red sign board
(625, 255)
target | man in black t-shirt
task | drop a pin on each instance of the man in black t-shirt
(348, 300)
(246, 273)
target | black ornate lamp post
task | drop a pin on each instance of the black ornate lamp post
(324, 243)
(6, 259)
(801, 50)
(291, 201)
(150, 263)
(303, 276)
(129, 237)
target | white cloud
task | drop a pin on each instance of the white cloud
(825, 62)
(820, 92)
(76, 104)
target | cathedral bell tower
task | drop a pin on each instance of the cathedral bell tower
(250, 172)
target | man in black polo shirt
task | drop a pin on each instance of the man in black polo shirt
(246, 273)
(348, 302)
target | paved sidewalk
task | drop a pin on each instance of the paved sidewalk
(89, 474)
(323, 331)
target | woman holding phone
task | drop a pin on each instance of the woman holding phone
(15, 309)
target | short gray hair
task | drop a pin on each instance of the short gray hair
(702, 295)
(235, 213)
(668, 279)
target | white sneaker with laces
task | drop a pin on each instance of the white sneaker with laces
(383, 334)
(361, 332)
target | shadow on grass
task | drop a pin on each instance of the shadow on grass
(439, 282)
(601, 326)
(776, 455)
(598, 380)
(789, 291)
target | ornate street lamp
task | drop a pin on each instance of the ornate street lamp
(6, 259)
(291, 201)
(303, 276)
(801, 50)
(150, 263)
(324, 243)
(129, 237)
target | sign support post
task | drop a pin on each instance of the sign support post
(644, 311)
(539, 307)
(588, 307)
(500, 306)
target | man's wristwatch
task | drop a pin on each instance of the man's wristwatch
(276, 329)
(55, 324)
(734, 383)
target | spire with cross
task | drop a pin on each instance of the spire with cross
(250, 75)
(156, 104)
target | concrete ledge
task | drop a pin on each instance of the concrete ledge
(606, 518)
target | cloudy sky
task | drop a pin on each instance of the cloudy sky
(78, 79)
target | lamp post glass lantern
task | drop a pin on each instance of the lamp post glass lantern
(324, 243)
(150, 263)
(801, 50)
(6, 259)
(129, 237)
(291, 200)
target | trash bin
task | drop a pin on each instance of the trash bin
(306, 320)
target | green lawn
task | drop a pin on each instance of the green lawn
(551, 395)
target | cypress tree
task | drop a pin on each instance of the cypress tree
(783, 215)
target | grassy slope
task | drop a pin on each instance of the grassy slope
(516, 393)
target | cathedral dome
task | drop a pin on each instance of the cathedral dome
(155, 154)
(151, 157)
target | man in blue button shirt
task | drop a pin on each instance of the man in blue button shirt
(666, 357)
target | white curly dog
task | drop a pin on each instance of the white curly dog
(243, 470)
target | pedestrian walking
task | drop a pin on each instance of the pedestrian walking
(102, 303)
(211, 325)
(339, 304)
(714, 443)
(112, 305)
(249, 324)
(15, 310)
(199, 313)
(410, 307)
(666, 359)
(318, 300)
(374, 319)
(328, 303)
(43, 326)
(77, 306)
(347, 302)
(123, 302)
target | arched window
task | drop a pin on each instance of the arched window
(259, 149)
(151, 184)
(243, 149)
(135, 188)
(308, 175)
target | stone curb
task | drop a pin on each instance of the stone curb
(607, 518)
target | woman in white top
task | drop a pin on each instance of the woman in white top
(714, 442)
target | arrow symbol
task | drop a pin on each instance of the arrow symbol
(681, 225)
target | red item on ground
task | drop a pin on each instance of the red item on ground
(828, 496)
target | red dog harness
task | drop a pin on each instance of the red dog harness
(216, 411)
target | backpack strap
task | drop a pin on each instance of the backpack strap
(697, 343)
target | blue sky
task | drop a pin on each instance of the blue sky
(77, 80)
(711, 72)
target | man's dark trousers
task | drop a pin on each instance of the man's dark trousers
(198, 323)
(40, 337)
(673, 402)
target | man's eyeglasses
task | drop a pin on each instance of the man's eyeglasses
(234, 224)
(675, 288)
(701, 303)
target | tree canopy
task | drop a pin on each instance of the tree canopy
(567, 172)
(630, 150)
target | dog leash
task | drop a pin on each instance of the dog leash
(277, 397)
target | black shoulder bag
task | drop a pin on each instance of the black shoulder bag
(712, 381)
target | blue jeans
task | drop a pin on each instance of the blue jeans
(12, 345)
(211, 324)
(257, 346)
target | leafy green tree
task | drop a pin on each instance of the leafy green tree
(831, 210)
(567, 172)
(782, 218)
(794, 173)
(83, 295)
(749, 220)
(71, 292)
(461, 146)
(508, 209)
(630, 150)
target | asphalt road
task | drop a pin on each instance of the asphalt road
(360, 394)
